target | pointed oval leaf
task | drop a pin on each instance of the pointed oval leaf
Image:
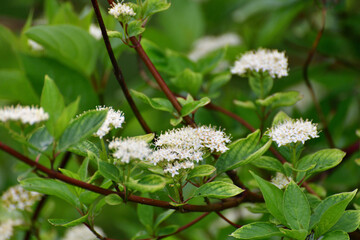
(193, 106)
(68, 223)
(113, 199)
(217, 190)
(256, 230)
(201, 171)
(336, 235)
(109, 171)
(163, 216)
(149, 183)
(269, 163)
(348, 222)
(156, 103)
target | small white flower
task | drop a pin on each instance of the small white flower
(34, 45)
(129, 149)
(17, 198)
(24, 114)
(7, 228)
(280, 180)
(114, 119)
(95, 31)
(81, 232)
(208, 44)
(292, 131)
(263, 60)
(121, 9)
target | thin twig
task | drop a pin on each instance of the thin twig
(228, 220)
(308, 83)
(117, 71)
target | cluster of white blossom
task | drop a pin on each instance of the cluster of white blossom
(95, 31)
(121, 9)
(7, 228)
(292, 131)
(208, 44)
(180, 148)
(82, 233)
(127, 149)
(263, 60)
(280, 180)
(114, 119)
(17, 198)
(24, 114)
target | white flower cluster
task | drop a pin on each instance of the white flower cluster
(208, 44)
(121, 9)
(280, 180)
(24, 114)
(7, 228)
(292, 131)
(114, 119)
(180, 148)
(263, 60)
(129, 149)
(81, 232)
(17, 198)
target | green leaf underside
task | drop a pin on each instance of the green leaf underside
(163, 216)
(201, 171)
(269, 163)
(257, 230)
(242, 152)
(280, 99)
(156, 103)
(149, 183)
(217, 190)
(109, 171)
(113, 199)
(193, 106)
(296, 208)
(273, 198)
(68, 223)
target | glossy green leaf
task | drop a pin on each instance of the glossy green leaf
(83, 170)
(109, 171)
(294, 234)
(115, 34)
(348, 222)
(69, 44)
(261, 83)
(324, 160)
(151, 7)
(242, 151)
(68, 223)
(135, 28)
(53, 188)
(113, 199)
(41, 139)
(269, 163)
(329, 211)
(217, 190)
(336, 235)
(156, 103)
(147, 137)
(81, 128)
(193, 106)
(65, 117)
(201, 171)
(296, 208)
(148, 183)
(82, 148)
(188, 81)
(257, 230)
(162, 217)
(273, 198)
(280, 99)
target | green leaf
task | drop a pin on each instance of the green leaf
(167, 230)
(294, 234)
(8, 50)
(148, 183)
(280, 99)
(52, 102)
(296, 208)
(64, 119)
(218, 80)
(242, 152)
(336, 235)
(175, 121)
(41, 139)
(84, 147)
(68, 223)
(273, 198)
(256, 230)
(188, 81)
(261, 83)
(83, 170)
(324, 160)
(151, 7)
(279, 118)
(245, 104)
(156, 103)
(147, 137)
(113, 199)
(146, 216)
(269, 163)
(217, 190)
(201, 171)
(329, 211)
(109, 171)
(115, 34)
(162, 217)
(81, 128)
(210, 61)
(53, 188)
(69, 44)
(193, 106)
(348, 222)
(135, 28)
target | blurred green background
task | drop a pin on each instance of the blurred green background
(289, 26)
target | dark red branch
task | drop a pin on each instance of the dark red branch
(228, 220)
(308, 83)
(228, 203)
(117, 72)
